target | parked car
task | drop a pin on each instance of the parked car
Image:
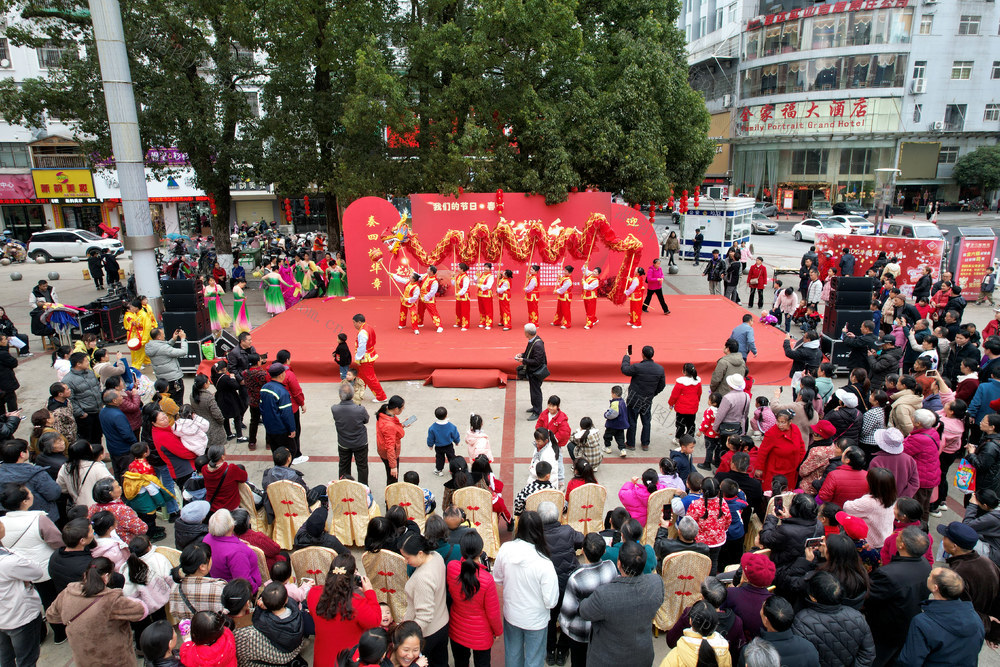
(65, 243)
(766, 208)
(820, 208)
(911, 229)
(806, 230)
(761, 224)
(857, 224)
(850, 208)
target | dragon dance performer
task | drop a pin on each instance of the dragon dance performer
(503, 294)
(463, 309)
(591, 280)
(531, 293)
(636, 292)
(428, 288)
(408, 300)
(484, 297)
(366, 356)
(564, 298)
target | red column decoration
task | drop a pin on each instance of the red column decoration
(696, 195)
(305, 200)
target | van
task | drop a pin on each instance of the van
(912, 229)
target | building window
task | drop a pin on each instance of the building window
(961, 69)
(995, 74)
(718, 19)
(919, 69)
(954, 117)
(701, 26)
(50, 56)
(732, 13)
(253, 100)
(14, 155)
(926, 23)
(969, 25)
(687, 33)
(810, 161)
(4, 51)
(948, 155)
(856, 161)
(992, 113)
(917, 111)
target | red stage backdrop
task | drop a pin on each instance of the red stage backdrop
(511, 230)
(913, 254)
(973, 260)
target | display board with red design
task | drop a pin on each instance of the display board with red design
(913, 254)
(973, 260)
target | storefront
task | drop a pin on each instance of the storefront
(22, 215)
(176, 206)
(252, 202)
(72, 195)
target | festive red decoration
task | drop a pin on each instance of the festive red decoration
(670, 202)
(499, 201)
(461, 191)
(696, 195)
(305, 200)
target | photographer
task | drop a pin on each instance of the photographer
(534, 368)
(165, 356)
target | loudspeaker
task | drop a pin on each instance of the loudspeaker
(112, 325)
(835, 351)
(853, 284)
(834, 321)
(180, 286)
(193, 323)
(193, 301)
(90, 323)
(850, 300)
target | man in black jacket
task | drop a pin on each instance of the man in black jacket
(111, 267)
(896, 591)
(535, 368)
(847, 263)
(859, 345)
(714, 270)
(750, 486)
(806, 355)
(648, 380)
(352, 435)
(777, 616)
(883, 360)
(957, 302)
(686, 540)
(838, 632)
(563, 542)
(964, 349)
(922, 288)
(96, 267)
(238, 361)
(901, 308)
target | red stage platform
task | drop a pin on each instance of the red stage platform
(694, 331)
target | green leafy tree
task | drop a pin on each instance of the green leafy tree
(980, 168)
(190, 62)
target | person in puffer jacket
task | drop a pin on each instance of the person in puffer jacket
(840, 634)
(923, 445)
(846, 418)
(635, 494)
(684, 399)
(192, 430)
(191, 527)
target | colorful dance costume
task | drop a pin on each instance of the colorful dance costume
(408, 303)
(564, 299)
(636, 292)
(336, 282)
(589, 284)
(531, 297)
(463, 308)
(484, 299)
(216, 309)
(241, 321)
(503, 295)
(366, 356)
(428, 288)
(135, 327)
(274, 299)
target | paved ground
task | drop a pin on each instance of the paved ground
(502, 409)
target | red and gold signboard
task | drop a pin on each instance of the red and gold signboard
(973, 260)
(823, 10)
(913, 254)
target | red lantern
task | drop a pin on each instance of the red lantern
(461, 191)
(696, 196)
(288, 202)
(574, 189)
(305, 200)
(670, 202)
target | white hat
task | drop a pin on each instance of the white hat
(847, 398)
(736, 381)
(889, 440)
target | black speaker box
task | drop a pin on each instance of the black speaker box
(112, 325)
(853, 284)
(90, 323)
(834, 321)
(193, 322)
(180, 302)
(189, 362)
(850, 300)
(181, 286)
(224, 344)
(835, 351)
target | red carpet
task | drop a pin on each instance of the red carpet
(694, 331)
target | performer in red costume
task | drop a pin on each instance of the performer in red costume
(564, 299)
(590, 282)
(365, 356)
(484, 296)
(428, 288)
(531, 293)
(408, 301)
(503, 293)
(636, 292)
(463, 309)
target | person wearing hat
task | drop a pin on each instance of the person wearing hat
(857, 530)
(191, 527)
(846, 417)
(981, 576)
(926, 644)
(893, 457)
(749, 597)
(819, 454)
(847, 482)
(734, 409)
(313, 531)
(276, 411)
(883, 360)
(983, 516)
(923, 444)
(895, 593)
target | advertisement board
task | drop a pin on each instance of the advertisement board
(913, 254)
(60, 183)
(16, 186)
(860, 115)
(973, 260)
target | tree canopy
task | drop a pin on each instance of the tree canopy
(981, 168)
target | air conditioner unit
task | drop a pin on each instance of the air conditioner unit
(918, 86)
(937, 125)
(727, 101)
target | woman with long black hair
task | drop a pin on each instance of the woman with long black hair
(84, 468)
(342, 610)
(475, 621)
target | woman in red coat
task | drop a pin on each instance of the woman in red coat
(684, 399)
(781, 452)
(341, 610)
(475, 620)
(389, 433)
(555, 420)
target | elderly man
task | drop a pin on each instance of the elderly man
(927, 644)
(590, 576)
(563, 542)
(731, 362)
(687, 534)
(352, 435)
(118, 434)
(981, 577)
(536, 368)
(622, 611)
(883, 360)
(647, 379)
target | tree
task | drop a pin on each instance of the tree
(190, 60)
(980, 168)
(330, 94)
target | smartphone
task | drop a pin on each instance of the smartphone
(814, 543)
(667, 512)
(779, 504)
(409, 420)
(630, 350)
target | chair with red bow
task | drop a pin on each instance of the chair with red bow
(349, 514)
(478, 505)
(682, 575)
(408, 496)
(258, 517)
(586, 508)
(291, 509)
(312, 563)
(386, 570)
(654, 512)
(261, 562)
(531, 503)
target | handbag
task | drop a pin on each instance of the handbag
(965, 477)
(734, 428)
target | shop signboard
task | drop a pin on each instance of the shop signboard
(16, 186)
(860, 115)
(60, 183)
(787, 199)
(824, 10)
(972, 261)
(913, 254)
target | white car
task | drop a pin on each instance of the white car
(806, 230)
(858, 224)
(910, 230)
(65, 243)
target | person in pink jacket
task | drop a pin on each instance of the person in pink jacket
(635, 494)
(654, 285)
(474, 617)
(924, 444)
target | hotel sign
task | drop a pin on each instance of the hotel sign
(823, 10)
(841, 116)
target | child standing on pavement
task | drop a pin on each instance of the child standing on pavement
(707, 429)
(342, 355)
(478, 442)
(615, 421)
(442, 436)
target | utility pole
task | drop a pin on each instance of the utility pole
(127, 147)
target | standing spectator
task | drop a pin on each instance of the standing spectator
(926, 644)
(531, 589)
(8, 381)
(111, 268)
(734, 408)
(923, 445)
(222, 480)
(254, 380)
(20, 606)
(62, 410)
(654, 285)
(685, 398)
(276, 411)
(730, 363)
(848, 481)
(204, 405)
(647, 380)
(442, 436)
(847, 261)
(563, 542)
(474, 617)
(905, 402)
(536, 368)
(748, 598)
(173, 453)
(291, 383)
(714, 270)
(731, 279)
(698, 241)
(231, 557)
(241, 359)
(859, 345)
(743, 335)
(985, 457)
(16, 469)
(342, 610)
(86, 391)
(922, 288)
(671, 246)
(96, 267)
(622, 611)
(983, 516)
(426, 594)
(877, 507)
(838, 632)
(594, 574)
(118, 432)
(389, 432)
(164, 355)
(981, 577)
(757, 280)
(352, 435)
(231, 403)
(781, 451)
